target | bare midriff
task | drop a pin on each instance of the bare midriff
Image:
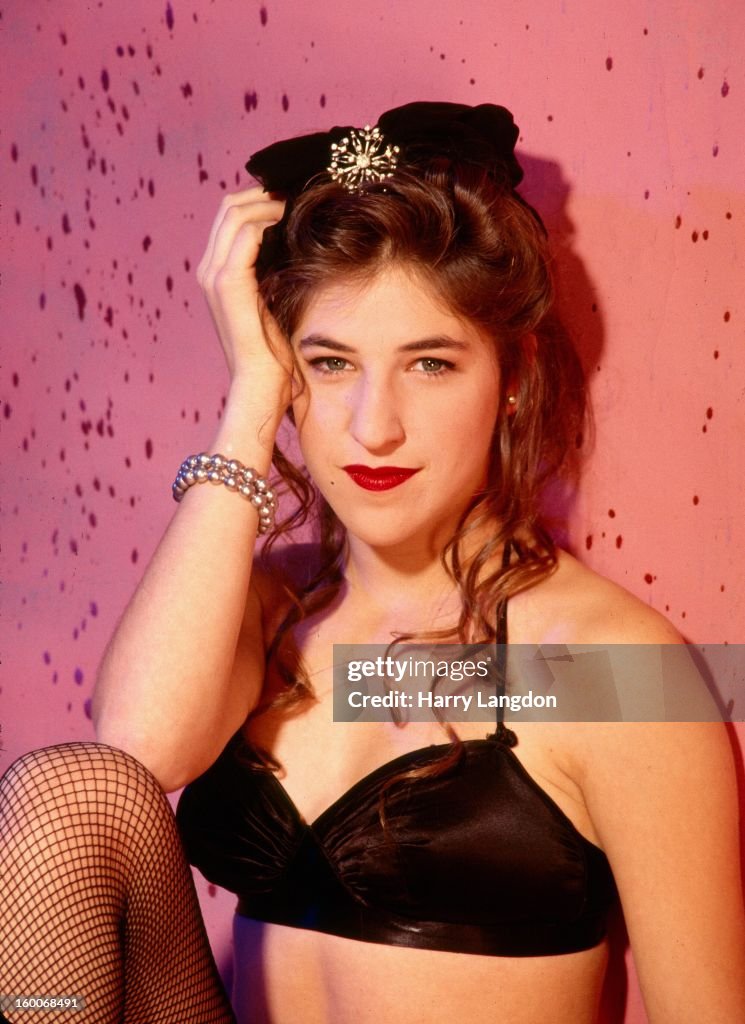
(294, 976)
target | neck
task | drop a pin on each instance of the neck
(400, 591)
(395, 573)
(417, 559)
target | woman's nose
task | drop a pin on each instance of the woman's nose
(375, 420)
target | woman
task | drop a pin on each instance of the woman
(392, 289)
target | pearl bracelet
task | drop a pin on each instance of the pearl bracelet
(198, 469)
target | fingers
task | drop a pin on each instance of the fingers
(248, 195)
(250, 338)
(236, 234)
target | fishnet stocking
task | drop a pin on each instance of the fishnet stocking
(96, 898)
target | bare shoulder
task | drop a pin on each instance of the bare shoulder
(615, 761)
(577, 605)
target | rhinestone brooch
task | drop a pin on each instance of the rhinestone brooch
(361, 158)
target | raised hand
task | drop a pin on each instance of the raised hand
(256, 352)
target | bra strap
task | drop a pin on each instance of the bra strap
(503, 734)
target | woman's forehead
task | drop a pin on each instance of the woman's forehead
(399, 296)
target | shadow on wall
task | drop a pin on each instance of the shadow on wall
(546, 188)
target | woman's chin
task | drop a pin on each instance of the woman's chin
(386, 532)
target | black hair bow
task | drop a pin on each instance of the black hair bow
(484, 135)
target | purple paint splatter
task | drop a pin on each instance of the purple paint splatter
(80, 299)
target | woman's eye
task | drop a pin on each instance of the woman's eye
(432, 367)
(329, 364)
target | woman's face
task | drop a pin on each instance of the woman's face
(398, 411)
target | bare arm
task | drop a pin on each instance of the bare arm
(663, 799)
(185, 665)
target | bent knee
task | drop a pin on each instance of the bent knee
(84, 777)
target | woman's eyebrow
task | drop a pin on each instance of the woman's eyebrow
(324, 342)
(438, 341)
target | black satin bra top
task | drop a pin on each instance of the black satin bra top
(478, 860)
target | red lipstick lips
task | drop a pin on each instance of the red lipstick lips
(383, 478)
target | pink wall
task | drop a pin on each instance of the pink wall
(125, 123)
